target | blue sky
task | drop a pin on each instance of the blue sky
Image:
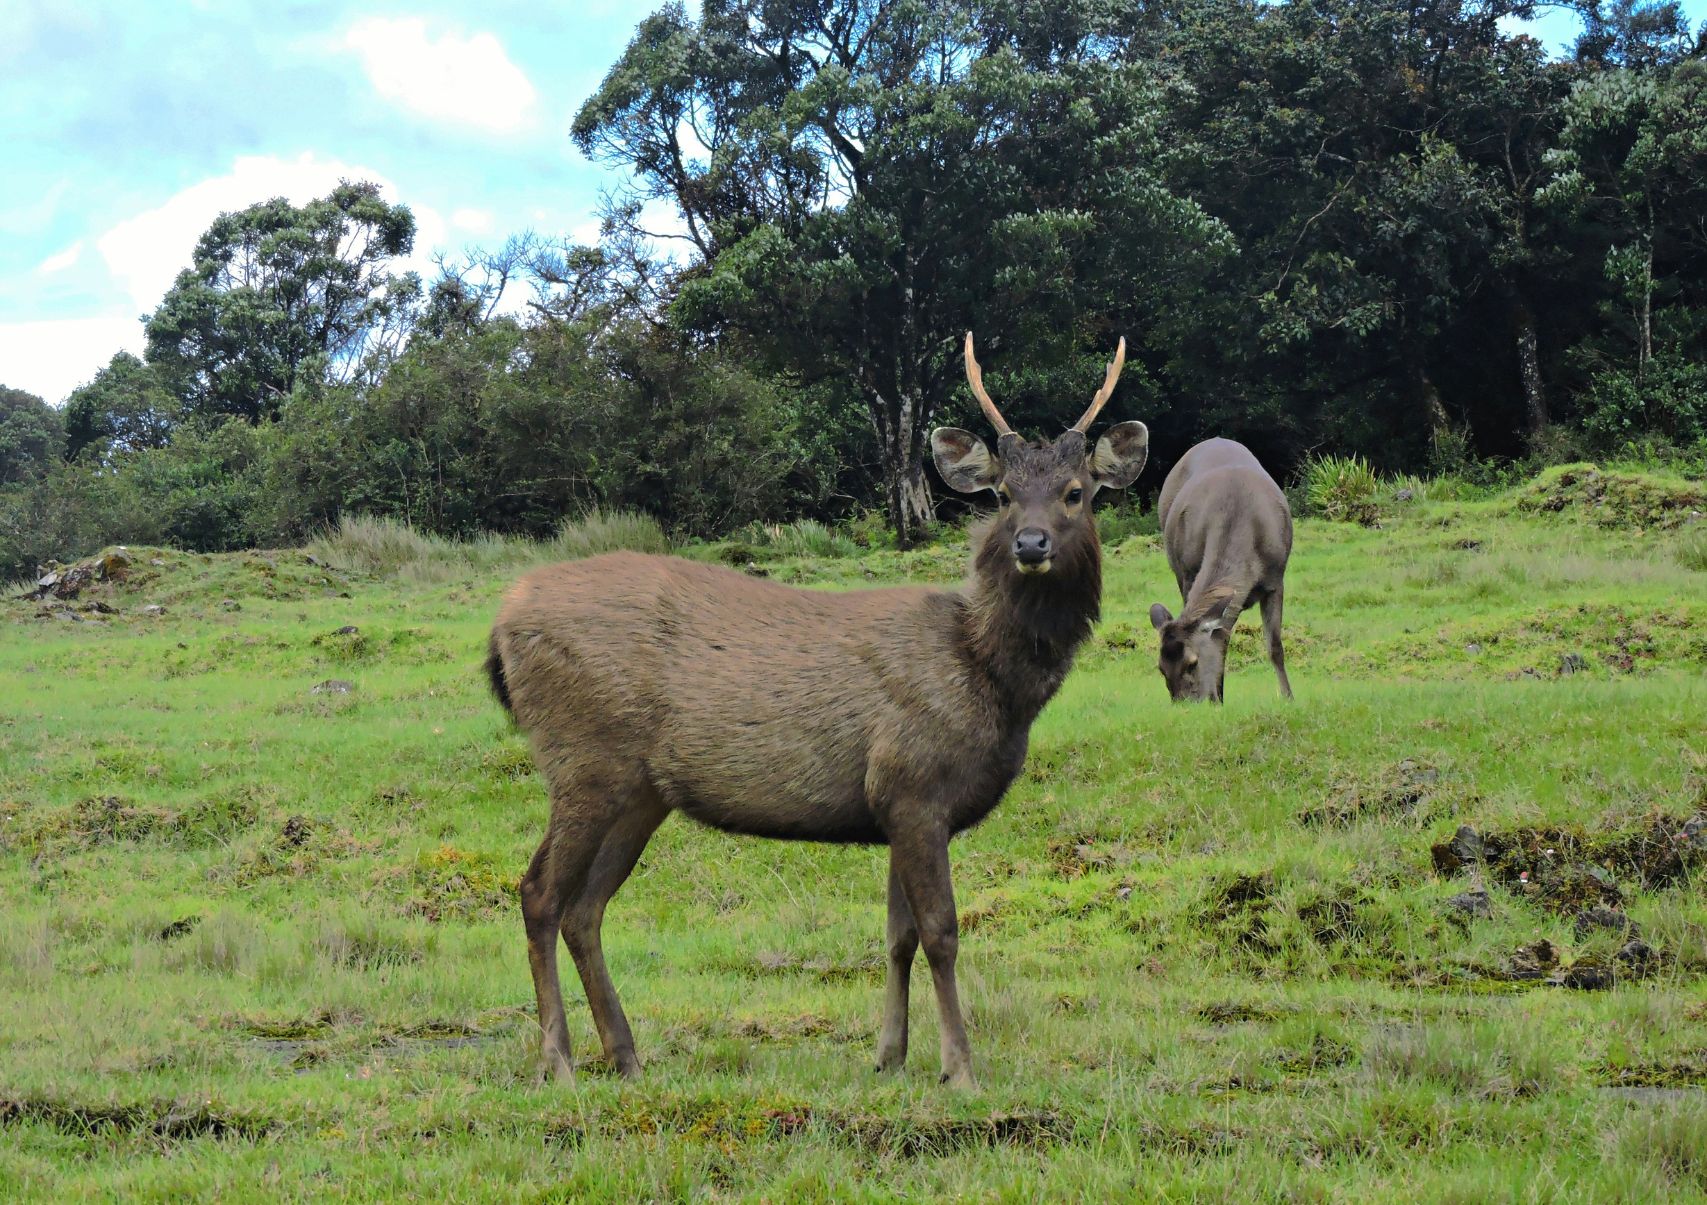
(130, 126)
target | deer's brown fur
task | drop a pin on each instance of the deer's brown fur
(651, 684)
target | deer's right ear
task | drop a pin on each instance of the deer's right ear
(1159, 617)
(963, 460)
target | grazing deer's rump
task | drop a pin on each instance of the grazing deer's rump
(652, 684)
(1228, 533)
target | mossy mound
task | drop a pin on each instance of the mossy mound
(1609, 498)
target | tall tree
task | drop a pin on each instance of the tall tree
(1632, 161)
(861, 181)
(124, 409)
(275, 288)
(31, 436)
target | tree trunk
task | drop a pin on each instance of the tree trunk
(906, 495)
(1529, 367)
(1645, 346)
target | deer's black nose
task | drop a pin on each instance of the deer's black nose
(1031, 546)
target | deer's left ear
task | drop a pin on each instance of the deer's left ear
(1120, 455)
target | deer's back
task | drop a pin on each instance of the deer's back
(1219, 503)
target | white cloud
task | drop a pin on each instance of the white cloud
(52, 358)
(475, 221)
(60, 260)
(464, 80)
(146, 252)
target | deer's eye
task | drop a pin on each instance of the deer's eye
(1003, 497)
(1075, 496)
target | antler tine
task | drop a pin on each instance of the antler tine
(975, 378)
(1107, 390)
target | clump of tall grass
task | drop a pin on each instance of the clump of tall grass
(1124, 519)
(388, 547)
(801, 538)
(1692, 550)
(1342, 488)
(599, 531)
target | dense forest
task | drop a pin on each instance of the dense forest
(1392, 229)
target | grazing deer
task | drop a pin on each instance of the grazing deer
(1228, 533)
(650, 684)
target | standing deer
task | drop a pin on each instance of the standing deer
(649, 684)
(1228, 533)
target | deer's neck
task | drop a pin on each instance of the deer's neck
(1024, 630)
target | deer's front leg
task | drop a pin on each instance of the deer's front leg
(903, 943)
(919, 857)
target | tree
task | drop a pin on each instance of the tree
(31, 436)
(124, 409)
(864, 180)
(1632, 160)
(275, 289)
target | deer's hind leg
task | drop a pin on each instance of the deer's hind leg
(1271, 608)
(903, 945)
(638, 819)
(581, 817)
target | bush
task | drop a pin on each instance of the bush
(1125, 518)
(1669, 399)
(1692, 551)
(802, 538)
(609, 531)
(389, 547)
(1343, 489)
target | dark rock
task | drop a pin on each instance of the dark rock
(1572, 663)
(296, 831)
(348, 629)
(230, 604)
(1472, 903)
(1639, 956)
(1533, 961)
(1472, 648)
(154, 609)
(179, 927)
(333, 686)
(1599, 917)
(1694, 833)
(1403, 496)
(1465, 849)
(1588, 974)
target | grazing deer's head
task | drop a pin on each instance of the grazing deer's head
(1194, 647)
(1045, 487)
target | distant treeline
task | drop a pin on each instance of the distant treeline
(1341, 225)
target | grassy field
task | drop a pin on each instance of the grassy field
(259, 932)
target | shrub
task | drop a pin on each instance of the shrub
(1692, 551)
(1123, 519)
(1342, 488)
(609, 531)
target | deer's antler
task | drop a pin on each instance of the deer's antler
(975, 378)
(1103, 394)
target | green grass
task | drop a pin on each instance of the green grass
(262, 940)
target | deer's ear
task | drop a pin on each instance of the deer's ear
(1159, 617)
(1219, 618)
(963, 460)
(1120, 455)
